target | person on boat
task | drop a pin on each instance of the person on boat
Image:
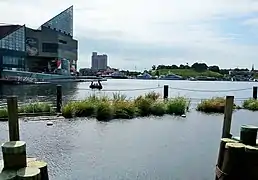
(99, 83)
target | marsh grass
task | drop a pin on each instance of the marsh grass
(251, 104)
(38, 107)
(213, 105)
(119, 107)
(177, 105)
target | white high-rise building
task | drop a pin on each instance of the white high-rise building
(98, 62)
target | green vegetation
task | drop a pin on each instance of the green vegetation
(213, 105)
(38, 107)
(177, 106)
(118, 107)
(251, 104)
(187, 73)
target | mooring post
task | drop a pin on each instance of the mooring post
(165, 91)
(233, 167)
(12, 108)
(255, 92)
(58, 98)
(228, 117)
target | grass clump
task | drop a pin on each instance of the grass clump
(152, 95)
(158, 109)
(124, 110)
(84, 109)
(67, 110)
(251, 104)
(118, 107)
(104, 111)
(213, 105)
(177, 106)
(38, 107)
(143, 105)
(3, 113)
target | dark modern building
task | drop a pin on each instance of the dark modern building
(49, 49)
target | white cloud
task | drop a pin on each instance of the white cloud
(185, 24)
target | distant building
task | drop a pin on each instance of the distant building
(88, 72)
(98, 62)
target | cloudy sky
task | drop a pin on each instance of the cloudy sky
(140, 33)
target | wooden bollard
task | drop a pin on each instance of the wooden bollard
(233, 163)
(248, 135)
(42, 166)
(222, 147)
(255, 92)
(13, 118)
(228, 117)
(14, 154)
(251, 161)
(8, 175)
(28, 173)
(165, 91)
(58, 98)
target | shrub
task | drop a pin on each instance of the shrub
(158, 109)
(84, 109)
(67, 110)
(36, 108)
(213, 105)
(3, 113)
(177, 106)
(119, 97)
(251, 104)
(124, 110)
(144, 105)
(104, 111)
(152, 95)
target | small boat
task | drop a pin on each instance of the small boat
(96, 86)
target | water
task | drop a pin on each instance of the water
(146, 148)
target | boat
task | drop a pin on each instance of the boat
(171, 77)
(118, 75)
(145, 76)
(96, 86)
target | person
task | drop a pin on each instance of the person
(99, 83)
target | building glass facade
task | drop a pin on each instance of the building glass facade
(14, 41)
(62, 22)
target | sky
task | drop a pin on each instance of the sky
(136, 34)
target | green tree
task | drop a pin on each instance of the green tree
(153, 67)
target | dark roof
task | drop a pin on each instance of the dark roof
(7, 29)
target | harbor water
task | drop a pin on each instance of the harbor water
(150, 148)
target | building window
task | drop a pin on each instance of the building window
(14, 41)
(49, 47)
(62, 22)
(10, 60)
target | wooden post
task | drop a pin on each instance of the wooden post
(251, 159)
(228, 117)
(58, 98)
(42, 166)
(222, 147)
(223, 143)
(255, 92)
(28, 173)
(13, 118)
(233, 164)
(14, 154)
(248, 135)
(165, 91)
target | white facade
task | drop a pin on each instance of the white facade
(98, 62)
